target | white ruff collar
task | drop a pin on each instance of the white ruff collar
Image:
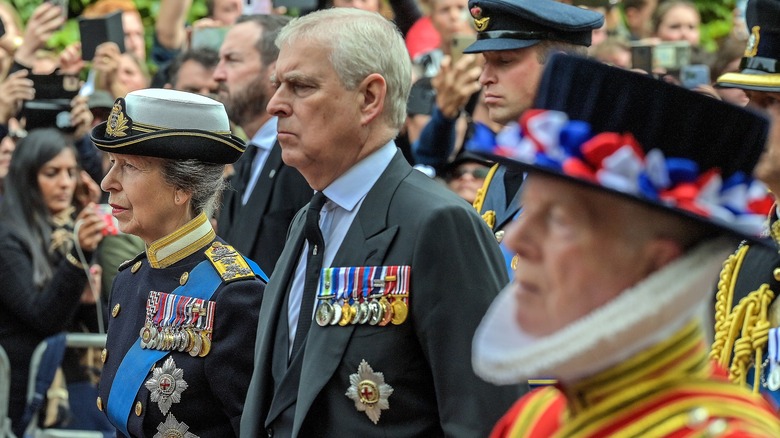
(636, 319)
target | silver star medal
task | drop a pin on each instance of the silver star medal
(369, 391)
(166, 385)
(173, 429)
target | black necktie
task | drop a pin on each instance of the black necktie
(246, 165)
(314, 259)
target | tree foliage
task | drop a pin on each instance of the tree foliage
(70, 32)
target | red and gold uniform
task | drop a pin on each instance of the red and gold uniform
(668, 390)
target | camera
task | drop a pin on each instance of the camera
(51, 106)
(668, 55)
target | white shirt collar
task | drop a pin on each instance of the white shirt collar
(265, 137)
(348, 189)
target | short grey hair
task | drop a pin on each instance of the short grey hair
(203, 181)
(270, 25)
(362, 43)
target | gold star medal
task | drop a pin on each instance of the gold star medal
(166, 385)
(369, 391)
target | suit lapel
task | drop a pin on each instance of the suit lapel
(246, 222)
(365, 244)
(271, 310)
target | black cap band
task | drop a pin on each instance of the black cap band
(569, 37)
(767, 65)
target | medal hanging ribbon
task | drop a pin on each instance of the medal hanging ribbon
(773, 382)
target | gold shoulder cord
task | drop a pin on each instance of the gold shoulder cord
(743, 330)
(482, 191)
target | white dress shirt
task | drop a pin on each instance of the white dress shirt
(263, 140)
(345, 195)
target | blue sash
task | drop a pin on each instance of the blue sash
(203, 282)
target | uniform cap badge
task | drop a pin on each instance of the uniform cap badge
(752, 43)
(480, 22)
(369, 391)
(118, 122)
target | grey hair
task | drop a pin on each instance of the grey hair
(203, 181)
(362, 43)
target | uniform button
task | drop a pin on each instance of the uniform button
(270, 432)
(139, 408)
(100, 404)
(136, 267)
(499, 236)
(115, 310)
(698, 417)
(104, 355)
(184, 277)
(776, 274)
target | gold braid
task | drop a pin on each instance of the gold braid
(482, 191)
(719, 353)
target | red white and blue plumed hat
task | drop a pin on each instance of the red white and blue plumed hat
(652, 142)
(170, 124)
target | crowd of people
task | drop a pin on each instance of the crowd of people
(434, 218)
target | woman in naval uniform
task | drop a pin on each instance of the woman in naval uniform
(181, 334)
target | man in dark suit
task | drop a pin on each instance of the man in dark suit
(408, 268)
(265, 194)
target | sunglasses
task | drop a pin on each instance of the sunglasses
(478, 173)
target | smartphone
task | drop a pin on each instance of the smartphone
(51, 106)
(298, 5)
(63, 4)
(112, 225)
(672, 55)
(208, 38)
(459, 43)
(96, 31)
(691, 76)
(642, 57)
(255, 7)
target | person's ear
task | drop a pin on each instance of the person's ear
(373, 91)
(662, 251)
(180, 197)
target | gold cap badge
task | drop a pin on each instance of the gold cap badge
(480, 22)
(118, 122)
(752, 43)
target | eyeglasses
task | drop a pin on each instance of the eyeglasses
(478, 173)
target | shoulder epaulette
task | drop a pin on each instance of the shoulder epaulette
(125, 264)
(230, 265)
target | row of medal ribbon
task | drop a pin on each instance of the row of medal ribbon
(375, 295)
(178, 323)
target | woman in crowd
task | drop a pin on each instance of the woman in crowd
(189, 370)
(677, 20)
(43, 275)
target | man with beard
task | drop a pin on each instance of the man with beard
(265, 194)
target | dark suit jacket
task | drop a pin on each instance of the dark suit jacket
(456, 271)
(258, 229)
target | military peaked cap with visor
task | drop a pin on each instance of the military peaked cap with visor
(170, 124)
(760, 66)
(516, 24)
